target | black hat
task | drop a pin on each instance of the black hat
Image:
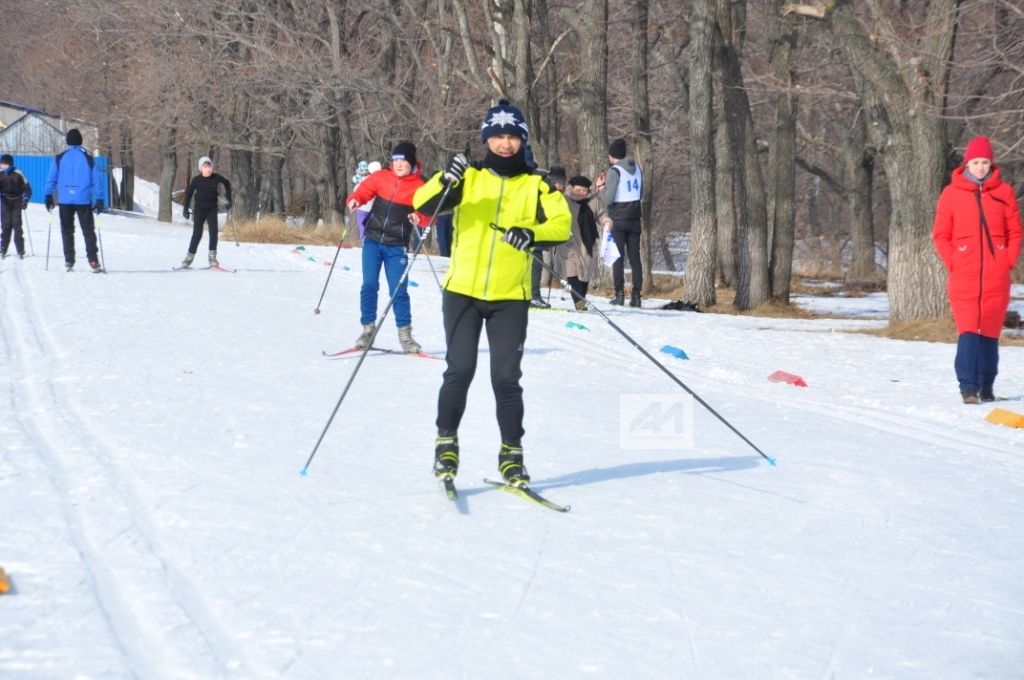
(7, 158)
(74, 137)
(580, 181)
(504, 119)
(556, 174)
(404, 151)
(617, 149)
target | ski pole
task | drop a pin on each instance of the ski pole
(330, 271)
(28, 230)
(48, 230)
(433, 271)
(647, 354)
(366, 350)
(234, 229)
(99, 237)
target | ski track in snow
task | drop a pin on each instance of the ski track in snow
(157, 618)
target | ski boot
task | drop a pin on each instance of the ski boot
(510, 465)
(96, 268)
(446, 455)
(213, 259)
(187, 262)
(363, 341)
(409, 345)
(68, 266)
(539, 303)
(581, 305)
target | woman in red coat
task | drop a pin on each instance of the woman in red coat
(977, 233)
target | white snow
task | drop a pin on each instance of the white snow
(154, 524)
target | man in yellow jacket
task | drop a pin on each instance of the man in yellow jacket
(501, 211)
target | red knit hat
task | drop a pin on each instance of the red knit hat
(979, 147)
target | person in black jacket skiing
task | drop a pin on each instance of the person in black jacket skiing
(14, 194)
(204, 186)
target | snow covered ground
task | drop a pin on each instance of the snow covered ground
(153, 521)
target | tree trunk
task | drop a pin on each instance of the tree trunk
(312, 217)
(592, 87)
(275, 185)
(327, 178)
(699, 280)
(725, 199)
(909, 89)
(782, 157)
(168, 170)
(127, 189)
(642, 126)
(752, 218)
(858, 166)
(243, 185)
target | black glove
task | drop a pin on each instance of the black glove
(186, 213)
(519, 238)
(49, 202)
(25, 199)
(227, 205)
(456, 169)
(98, 208)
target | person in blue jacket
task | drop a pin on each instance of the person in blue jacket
(76, 186)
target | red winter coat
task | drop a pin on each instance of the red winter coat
(388, 221)
(978, 260)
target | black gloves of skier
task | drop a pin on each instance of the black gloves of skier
(519, 238)
(455, 170)
(186, 213)
(49, 202)
(98, 208)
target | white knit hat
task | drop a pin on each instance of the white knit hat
(203, 160)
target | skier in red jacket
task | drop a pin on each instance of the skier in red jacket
(384, 238)
(977, 233)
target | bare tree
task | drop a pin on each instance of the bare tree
(699, 282)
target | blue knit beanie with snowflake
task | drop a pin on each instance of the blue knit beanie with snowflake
(504, 119)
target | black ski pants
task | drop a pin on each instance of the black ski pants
(199, 217)
(10, 218)
(628, 243)
(67, 231)
(464, 317)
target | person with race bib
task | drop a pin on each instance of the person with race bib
(622, 189)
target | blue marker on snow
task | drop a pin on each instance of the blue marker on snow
(674, 351)
(302, 472)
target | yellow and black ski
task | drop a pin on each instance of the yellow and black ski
(526, 493)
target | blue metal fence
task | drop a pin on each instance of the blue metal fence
(37, 168)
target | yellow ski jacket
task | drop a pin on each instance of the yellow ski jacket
(482, 266)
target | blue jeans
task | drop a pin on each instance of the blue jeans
(394, 260)
(977, 361)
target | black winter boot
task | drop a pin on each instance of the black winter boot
(969, 396)
(634, 301)
(986, 394)
(510, 465)
(619, 299)
(446, 454)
